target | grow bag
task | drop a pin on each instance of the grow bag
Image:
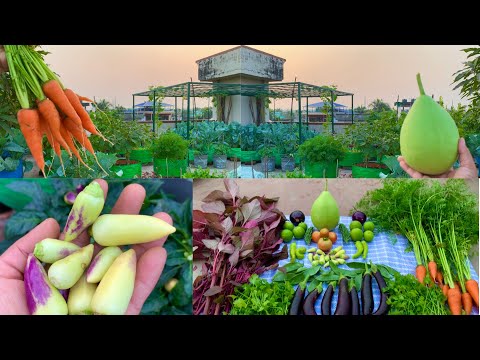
(220, 161)
(316, 170)
(268, 164)
(234, 152)
(130, 171)
(360, 171)
(351, 158)
(201, 161)
(288, 163)
(248, 156)
(169, 168)
(17, 173)
(144, 156)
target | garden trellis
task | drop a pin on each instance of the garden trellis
(284, 90)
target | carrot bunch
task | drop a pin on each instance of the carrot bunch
(55, 111)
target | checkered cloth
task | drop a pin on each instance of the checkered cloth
(380, 251)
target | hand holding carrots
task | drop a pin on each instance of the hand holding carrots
(151, 256)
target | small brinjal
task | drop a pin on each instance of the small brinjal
(355, 302)
(367, 295)
(309, 303)
(383, 307)
(344, 303)
(297, 302)
(327, 300)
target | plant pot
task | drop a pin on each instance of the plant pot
(234, 153)
(248, 156)
(130, 169)
(317, 170)
(369, 170)
(170, 167)
(219, 161)
(268, 164)
(201, 161)
(287, 163)
(144, 156)
(17, 173)
(351, 158)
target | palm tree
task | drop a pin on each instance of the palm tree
(378, 105)
(103, 105)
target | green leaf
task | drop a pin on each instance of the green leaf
(22, 222)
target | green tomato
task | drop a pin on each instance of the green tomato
(368, 235)
(298, 232)
(368, 226)
(303, 225)
(288, 225)
(356, 234)
(355, 225)
(286, 235)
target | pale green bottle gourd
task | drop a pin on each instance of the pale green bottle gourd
(325, 212)
(429, 136)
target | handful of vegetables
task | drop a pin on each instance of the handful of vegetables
(47, 107)
(74, 281)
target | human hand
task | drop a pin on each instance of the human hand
(151, 256)
(3, 60)
(467, 169)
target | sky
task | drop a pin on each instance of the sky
(115, 72)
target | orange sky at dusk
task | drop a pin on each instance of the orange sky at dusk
(115, 72)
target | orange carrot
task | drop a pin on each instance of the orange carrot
(439, 278)
(445, 289)
(83, 98)
(467, 303)
(420, 273)
(454, 298)
(432, 269)
(472, 288)
(78, 134)
(29, 121)
(45, 129)
(49, 112)
(82, 113)
(68, 138)
(54, 92)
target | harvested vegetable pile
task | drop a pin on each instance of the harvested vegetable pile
(236, 237)
(47, 107)
(259, 297)
(76, 282)
(440, 220)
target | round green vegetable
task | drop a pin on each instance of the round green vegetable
(288, 225)
(355, 224)
(298, 232)
(286, 235)
(368, 226)
(303, 225)
(368, 235)
(356, 234)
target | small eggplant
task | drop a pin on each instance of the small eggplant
(344, 303)
(367, 295)
(309, 303)
(383, 307)
(354, 301)
(327, 300)
(297, 302)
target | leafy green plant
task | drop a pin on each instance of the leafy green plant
(295, 174)
(322, 149)
(73, 169)
(170, 145)
(220, 148)
(233, 134)
(12, 150)
(203, 174)
(252, 137)
(181, 129)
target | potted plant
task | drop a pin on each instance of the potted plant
(220, 150)
(352, 155)
(143, 153)
(285, 138)
(170, 155)
(250, 141)
(12, 150)
(267, 154)
(232, 136)
(321, 155)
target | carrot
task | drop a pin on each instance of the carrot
(472, 288)
(68, 138)
(439, 278)
(454, 298)
(420, 273)
(445, 289)
(55, 93)
(45, 129)
(432, 269)
(49, 112)
(82, 113)
(78, 134)
(29, 121)
(467, 303)
(83, 98)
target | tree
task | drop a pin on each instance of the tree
(378, 105)
(360, 110)
(468, 78)
(103, 104)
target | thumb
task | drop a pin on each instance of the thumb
(465, 158)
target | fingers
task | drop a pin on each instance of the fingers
(130, 200)
(141, 248)
(149, 268)
(464, 156)
(16, 255)
(83, 239)
(413, 173)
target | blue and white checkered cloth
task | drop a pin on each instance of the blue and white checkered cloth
(380, 251)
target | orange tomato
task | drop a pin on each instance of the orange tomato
(332, 236)
(315, 236)
(324, 233)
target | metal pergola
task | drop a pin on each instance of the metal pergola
(285, 90)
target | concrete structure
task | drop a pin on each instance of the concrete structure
(241, 65)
